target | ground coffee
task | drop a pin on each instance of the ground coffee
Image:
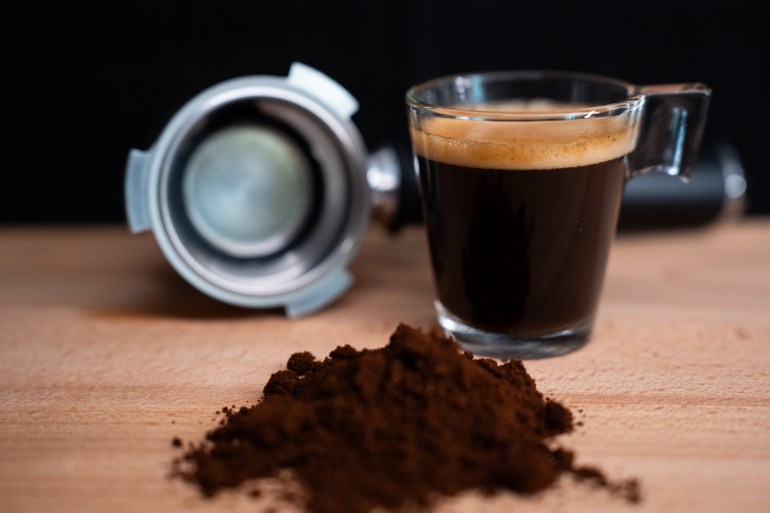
(394, 427)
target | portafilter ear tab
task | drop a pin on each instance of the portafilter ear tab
(256, 191)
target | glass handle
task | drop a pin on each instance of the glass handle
(671, 129)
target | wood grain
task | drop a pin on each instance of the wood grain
(106, 355)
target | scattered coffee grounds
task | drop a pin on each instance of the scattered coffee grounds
(395, 427)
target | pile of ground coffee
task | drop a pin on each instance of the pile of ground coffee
(394, 427)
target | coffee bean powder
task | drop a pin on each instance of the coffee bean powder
(395, 427)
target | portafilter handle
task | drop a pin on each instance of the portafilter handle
(392, 178)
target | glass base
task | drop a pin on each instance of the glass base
(505, 346)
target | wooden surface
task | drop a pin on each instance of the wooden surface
(106, 355)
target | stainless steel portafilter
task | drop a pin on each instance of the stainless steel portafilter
(259, 189)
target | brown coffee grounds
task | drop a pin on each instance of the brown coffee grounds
(394, 427)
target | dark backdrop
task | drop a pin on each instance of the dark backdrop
(86, 81)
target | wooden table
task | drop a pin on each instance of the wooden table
(106, 355)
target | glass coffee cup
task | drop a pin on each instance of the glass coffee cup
(521, 177)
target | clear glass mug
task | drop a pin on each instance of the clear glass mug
(521, 175)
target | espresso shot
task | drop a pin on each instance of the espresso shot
(520, 219)
(521, 177)
(502, 260)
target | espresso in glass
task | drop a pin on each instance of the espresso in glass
(521, 176)
(520, 218)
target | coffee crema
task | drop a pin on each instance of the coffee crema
(500, 143)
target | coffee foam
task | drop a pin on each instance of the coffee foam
(521, 145)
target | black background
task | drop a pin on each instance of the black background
(86, 81)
